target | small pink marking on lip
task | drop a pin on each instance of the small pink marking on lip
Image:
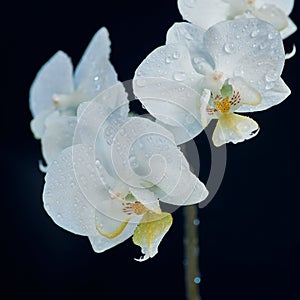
(218, 76)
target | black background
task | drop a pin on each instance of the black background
(249, 233)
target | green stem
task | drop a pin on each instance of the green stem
(191, 247)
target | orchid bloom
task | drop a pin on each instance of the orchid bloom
(234, 66)
(207, 13)
(109, 186)
(55, 93)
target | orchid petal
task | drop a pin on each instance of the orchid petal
(37, 124)
(270, 97)
(94, 72)
(170, 88)
(285, 5)
(147, 156)
(101, 243)
(234, 128)
(171, 62)
(64, 199)
(249, 48)
(150, 232)
(273, 15)
(248, 94)
(289, 30)
(173, 104)
(112, 220)
(100, 119)
(204, 13)
(56, 76)
(58, 135)
(191, 36)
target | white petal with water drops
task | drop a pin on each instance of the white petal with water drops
(56, 76)
(58, 135)
(94, 72)
(63, 198)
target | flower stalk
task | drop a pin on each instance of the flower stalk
(191, 253)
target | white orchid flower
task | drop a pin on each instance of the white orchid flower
(234, 66)
(109, 186)
(56, 93)
(208, 13)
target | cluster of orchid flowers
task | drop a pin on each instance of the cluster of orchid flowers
(108, 170)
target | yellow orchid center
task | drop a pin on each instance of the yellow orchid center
(137, 207)
(223, 106)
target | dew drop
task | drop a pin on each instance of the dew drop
(271, 36)
(141, 82)
(59, 216)
(229, 48)
(197, 280)
(197, 60)
(133, 162)
(176, 55)
(96, 78)
(179, 76)
(188, 36)
(271, 76)
(269, 85)
(254, 33)
(168, 60)
(196, 222)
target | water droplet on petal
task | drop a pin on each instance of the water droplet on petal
(133, 162)
(271, 36)
(269, 85)
(168, 60)
(254, 33)
(188, 36)
(141, 82)
(271, 76)
(176, 55)
(59, 216)
(179, 76)
(229, 48)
